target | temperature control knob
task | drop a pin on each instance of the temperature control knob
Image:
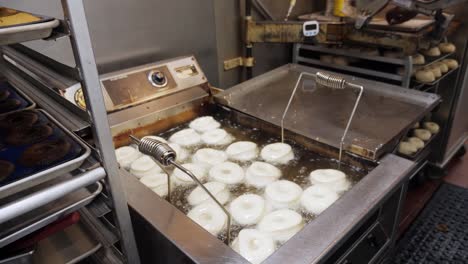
(157, 79)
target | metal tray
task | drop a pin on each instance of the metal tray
(436, 81)
(431, 60)
(31, 103)
(416, 155)
(27, 32)
(41, 217)
(23, 258)
(72, 245)
(48, 174)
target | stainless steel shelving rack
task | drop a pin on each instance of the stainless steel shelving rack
(405, 63)
(75, 27)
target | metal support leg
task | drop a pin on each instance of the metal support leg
(83, 52)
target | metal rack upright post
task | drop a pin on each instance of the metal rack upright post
(75, 26)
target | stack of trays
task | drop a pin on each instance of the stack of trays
(34, 148)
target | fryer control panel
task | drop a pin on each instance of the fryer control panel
(138, 85)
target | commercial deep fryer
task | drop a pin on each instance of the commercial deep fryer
(358, 228)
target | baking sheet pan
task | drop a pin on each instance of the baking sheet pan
(39, 29)
(28, 177)
(41, 217)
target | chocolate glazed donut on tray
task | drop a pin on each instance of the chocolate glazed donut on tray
(30, 143)
(11, 100)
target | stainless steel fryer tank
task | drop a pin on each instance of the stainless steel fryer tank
(160, 225)
(370, 208)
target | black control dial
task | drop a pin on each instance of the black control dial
(157, 79)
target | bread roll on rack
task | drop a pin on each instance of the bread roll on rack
(447, 47)
(425, 76)
(432, 52)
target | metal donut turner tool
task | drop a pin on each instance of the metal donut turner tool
(166, 156)
(333, 82)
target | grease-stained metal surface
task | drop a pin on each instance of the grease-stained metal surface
(312, 244)
(385, 113)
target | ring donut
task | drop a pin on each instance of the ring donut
(283, 194)
(144, 166)
(217, 137)
(227, 173)
(333, 179)
(423, 134)
(317, 198)
(45, 153)
(247, 209)
(157, 182)
(253, 245)
(242, 151)
(281, 225)
(407, 148)
(219, 190)
(204, 123)
(209, 216)
(209, 157)
(181, 153)
(186, 138)
(180, 178)
(416, 142)
(19, 119)
(126, 155)
(28, 135)
(260, 174)
(9, 105)
(4, 94)
(432, 127)
(277, 153)
(447, 47)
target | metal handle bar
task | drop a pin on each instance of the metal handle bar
(329, 81)
(43, 197)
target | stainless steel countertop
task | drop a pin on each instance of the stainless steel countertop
(385, 113)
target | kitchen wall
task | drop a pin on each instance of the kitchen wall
(129, 33)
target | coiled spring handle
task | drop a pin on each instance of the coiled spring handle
(166, 156)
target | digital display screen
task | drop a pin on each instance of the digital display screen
(311, 27)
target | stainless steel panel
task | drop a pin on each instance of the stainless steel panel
(386, 112)
(131, 87)
(279, 9)
(130, 33)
